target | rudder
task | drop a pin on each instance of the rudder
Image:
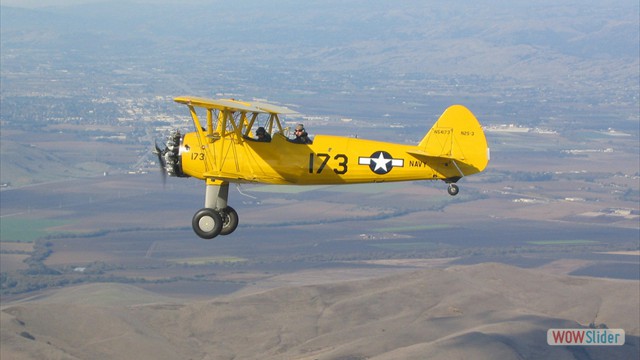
(456, 139)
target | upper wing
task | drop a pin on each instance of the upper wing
(234, 105)
(273, 109)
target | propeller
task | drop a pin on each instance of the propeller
(163, 164)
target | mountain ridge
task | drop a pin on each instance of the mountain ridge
(485, 310)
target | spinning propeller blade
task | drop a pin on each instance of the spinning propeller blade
(163, 165)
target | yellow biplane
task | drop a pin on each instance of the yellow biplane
(223, 149)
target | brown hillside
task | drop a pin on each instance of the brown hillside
(483, 311)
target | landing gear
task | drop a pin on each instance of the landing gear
(216, 218)
(453, 189)
(229, 220)
(207, 223)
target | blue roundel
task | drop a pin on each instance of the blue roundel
(380, 162)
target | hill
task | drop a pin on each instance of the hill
(483, 311)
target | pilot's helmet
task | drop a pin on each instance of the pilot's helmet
(299, 127)
(261, 131)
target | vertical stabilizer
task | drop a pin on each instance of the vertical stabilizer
(456, 145)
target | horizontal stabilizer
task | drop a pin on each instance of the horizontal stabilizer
(421, 154)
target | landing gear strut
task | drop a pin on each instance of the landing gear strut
(453, 189)
(216, 218)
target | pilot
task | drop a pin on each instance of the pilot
(301, 135)
(262, 134)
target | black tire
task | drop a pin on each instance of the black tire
(453, 189)
(207, 223)
(229, 220)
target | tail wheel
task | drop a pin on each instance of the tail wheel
(207, 223)
(229, 220)
(453, 189)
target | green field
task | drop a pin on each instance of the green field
(415, 228)
(26, 230)
(405, 246)
(563, 242)
(208, 260)
(368, 188)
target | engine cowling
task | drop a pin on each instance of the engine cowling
(169, 157)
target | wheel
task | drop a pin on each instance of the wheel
(207, 223)
(453, 189)
(229, 220)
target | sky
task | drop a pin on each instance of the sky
(47, 3)
(41, 3)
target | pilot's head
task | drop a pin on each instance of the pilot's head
(299, 129)
(261, 131)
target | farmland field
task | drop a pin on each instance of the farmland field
(528, 209)
(563, 242)
(19, 229)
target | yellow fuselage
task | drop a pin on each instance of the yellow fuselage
(328, 160)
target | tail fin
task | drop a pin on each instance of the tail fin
(455, 146)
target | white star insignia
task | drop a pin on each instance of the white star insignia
(381, 163)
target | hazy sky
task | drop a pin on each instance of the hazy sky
(45, 3)
(42, 3)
